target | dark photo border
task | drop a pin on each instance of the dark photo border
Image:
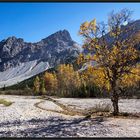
(69, 1)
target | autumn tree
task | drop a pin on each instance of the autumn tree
(69, 80)
(37, 85)
(51, 82)
(93, 81)
(131, 82)
(111, 47)
(43, 88)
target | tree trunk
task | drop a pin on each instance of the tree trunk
(114, 100)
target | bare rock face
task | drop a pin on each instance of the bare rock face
(55, 49)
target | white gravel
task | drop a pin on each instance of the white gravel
(23, 119)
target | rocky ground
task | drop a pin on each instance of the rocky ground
(24, 119)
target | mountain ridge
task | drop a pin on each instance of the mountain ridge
(14, 50)
(20, 60)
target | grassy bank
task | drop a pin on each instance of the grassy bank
(25, 92)
(5, 102)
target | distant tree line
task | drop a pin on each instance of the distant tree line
(66, 82)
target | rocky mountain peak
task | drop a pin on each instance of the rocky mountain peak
(11, 38)
(54, 49)
(60, 35)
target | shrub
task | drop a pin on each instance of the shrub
(102, 107)
(5, 102)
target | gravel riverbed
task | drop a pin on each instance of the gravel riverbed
(23, 119)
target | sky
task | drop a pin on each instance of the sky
(35, 21)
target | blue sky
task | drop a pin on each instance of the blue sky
(35, 21)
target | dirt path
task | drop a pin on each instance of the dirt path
(65, 109)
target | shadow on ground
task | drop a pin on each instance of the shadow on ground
(53, 127)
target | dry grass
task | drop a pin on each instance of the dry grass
(17, 92)
(101, 107)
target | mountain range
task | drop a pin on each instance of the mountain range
(20, 60)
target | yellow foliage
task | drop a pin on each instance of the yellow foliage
(131, 79)
(37, 84)
(51, 82)
(67, 75)
(93, 25)
(84, 28)
(114, 62)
